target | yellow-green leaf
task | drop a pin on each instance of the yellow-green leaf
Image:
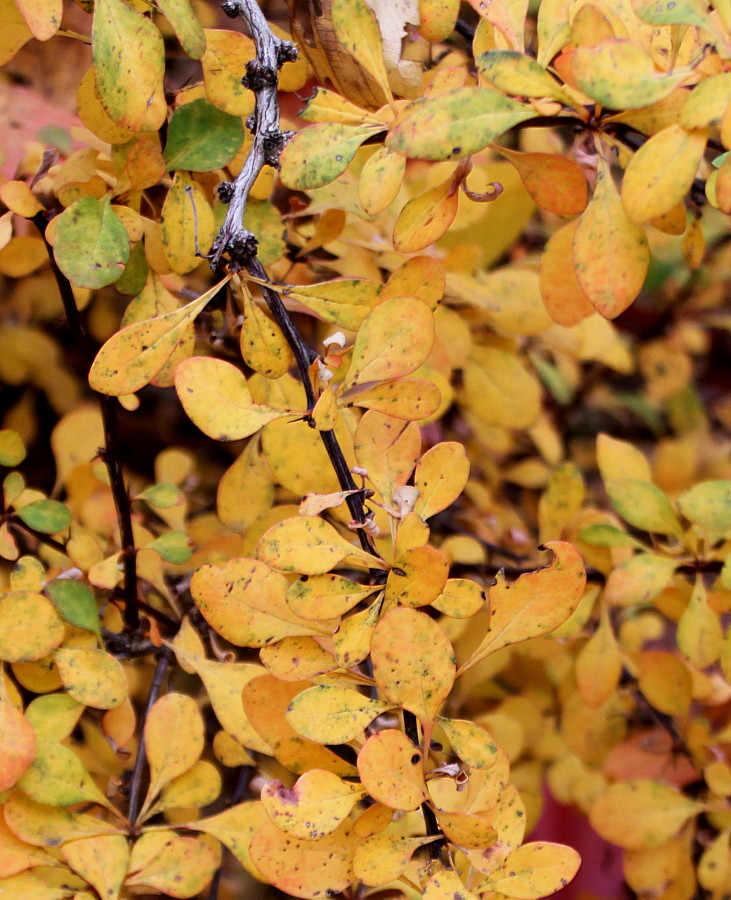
(47, 826)
(92, 677)
(643, 505)
(381, 858)
(470, 741)
(57, 777)
(343, 301)
(181, 868)
(317, 155)
(356, 27)
(621, 75)
(330, 714)
(129, 64)
(234, 828)
(91, 245)
(516, 73)
(705, 104)
(700, 635)
(708, 505)
(186, 26)
(456, 124)
(326, 596)
(187, 218)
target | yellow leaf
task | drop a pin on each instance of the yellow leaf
(665, 682)
(330, 714)
(533, 605)
(705, 104)
(92, 677)
(245, 490)
(446, 885)
(329, 106)
(388, 449)
(499, 389)
(700, 635)
(17, 196)
(17, 744)
(326, 596)
(639, 579)
(599, 664)
(461, 598)
(417, 577)
(381, 858)
(661, 172)
(181, 868)
(713, 866)
(394, 339)
(217, 399)
(620, 459)
(684, 12)
(199, 786)
(611, 254)
(467, 830)
(310, 546)
(18, 642)
(100, 860)
(456, 124)
(188, 226)
(440, 477)
(556, 183)
(134, 355)
(553, 29)
(15, 855)
(353, 639)
(413, 662)
(620, 74)
(390, 769)
(425, 218)
(225, 58)
(129, 63)
(245, 602)
(266, 700)
(380, 180)
(234, 828)
(174, 714)
(15, 31)
(48, 826)
(308, 869)
(263, 344)
(314, 807)
(563, 296)
(343, 301)
(471, 742)
(658, 811)
(357, 30)
(297, 658)
(536, 870)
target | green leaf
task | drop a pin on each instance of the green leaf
(46, 516)
(643, 505)
(75, 603)
(607, 536)
(202, 138)
(708, 505)
(162, 495)
(91, 245)
(317, 155)
(12, 448)
(456, 124)
(174, 547)
(263, 220)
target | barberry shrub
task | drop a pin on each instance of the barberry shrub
(364, 468)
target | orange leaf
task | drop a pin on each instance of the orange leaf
(533, 605)
(555, 183)
(17, 744)
(390, 769)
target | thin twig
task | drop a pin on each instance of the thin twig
(135, 792)
(111, 452)
(239, 246)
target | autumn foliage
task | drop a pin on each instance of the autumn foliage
(364, 470)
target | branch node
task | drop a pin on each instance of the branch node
(231, 8)
(225, 191)
(286, 52)
(259, 75)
